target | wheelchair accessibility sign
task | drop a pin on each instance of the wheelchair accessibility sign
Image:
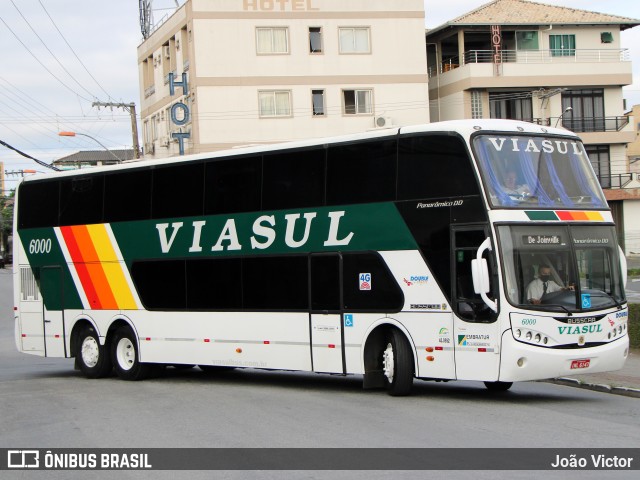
(348, 320)
(586, 300)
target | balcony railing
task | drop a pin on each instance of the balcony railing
(593, 124)
(618, 180)
(535, 57)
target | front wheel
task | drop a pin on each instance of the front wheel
(125, 357)
(498, 386)
(397, 364)
(92, 358)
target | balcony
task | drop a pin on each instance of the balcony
(619, 180)
(533, 57)
(594, 124)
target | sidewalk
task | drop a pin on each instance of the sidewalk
(621, 382)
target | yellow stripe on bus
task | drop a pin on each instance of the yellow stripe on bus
(112, 267)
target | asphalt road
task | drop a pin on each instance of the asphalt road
(44, 403)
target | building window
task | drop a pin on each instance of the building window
(527, 40)
(511, 105)
(275, 103)
(318, 102)
(476, 104)
(272, 40)
(606, 37)
(587, 110)
(315, 40)
(562, 45)
(357, 102)
(354, 40)
(600, 159)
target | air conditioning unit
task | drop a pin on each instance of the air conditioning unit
(166, 51)
(382, 122)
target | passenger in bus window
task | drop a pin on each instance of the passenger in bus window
(542, 285)
(511, 186)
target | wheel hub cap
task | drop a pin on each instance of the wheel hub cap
(388, 365)
(90, 352)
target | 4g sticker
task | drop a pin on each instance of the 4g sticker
(365, 281)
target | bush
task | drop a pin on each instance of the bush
(634, 325)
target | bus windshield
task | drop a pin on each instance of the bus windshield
(524, 171)
(561, 267)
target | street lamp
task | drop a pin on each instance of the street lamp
(73, 134)
(566, 110)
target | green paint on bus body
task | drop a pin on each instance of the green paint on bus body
(354, 228)
(376, 227)
(43, 252)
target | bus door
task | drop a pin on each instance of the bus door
(51, 282)
(476, 331)
(30, 309)
(326, 325)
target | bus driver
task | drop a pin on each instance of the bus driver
(542, 285)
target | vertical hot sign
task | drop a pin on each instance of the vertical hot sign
(179, 106)
(496, 46)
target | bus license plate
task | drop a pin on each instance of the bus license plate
(580, 363)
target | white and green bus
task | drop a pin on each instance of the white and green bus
(399, 254)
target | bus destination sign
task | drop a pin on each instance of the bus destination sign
(542, 239)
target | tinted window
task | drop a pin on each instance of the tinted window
(293, 180)
(361, 172)
(38, 204)
(214, 284)
(81, 200)
(278, 283)
(161, 284)
(434, 166)
(369, 285)
(233, 186)
(178, 191)
(127, 196)
(325, 282)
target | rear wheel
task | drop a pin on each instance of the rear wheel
(92, 358)
(397, 364)
(498, 386)
(125, 357)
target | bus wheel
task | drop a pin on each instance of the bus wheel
(397, 364)
(91, 357)
(498, 386)
(124, 355)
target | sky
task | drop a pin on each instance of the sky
(60, 56)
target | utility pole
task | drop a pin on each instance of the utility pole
(131, 108)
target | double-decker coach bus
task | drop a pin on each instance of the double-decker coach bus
(472, 250)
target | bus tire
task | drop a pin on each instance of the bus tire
(498, 386)
(397, 364)
(125, 357)
(92, 358)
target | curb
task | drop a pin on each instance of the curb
(572, 382)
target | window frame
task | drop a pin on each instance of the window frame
(319, 34)
(355, 50)
(261, 113)
(272, 50)
(356, 91)
(322, 93)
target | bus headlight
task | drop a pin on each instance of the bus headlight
(538, 338)
(528, 336)
(518, 333)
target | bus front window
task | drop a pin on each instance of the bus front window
(570, 268)
(537, 172)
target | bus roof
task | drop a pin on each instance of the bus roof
(463, 127)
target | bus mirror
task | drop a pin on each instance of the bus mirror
(480, 274)
(623, 266)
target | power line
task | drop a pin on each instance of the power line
(42, 64)
(73, 51)
(50, 52)
(39, 162)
